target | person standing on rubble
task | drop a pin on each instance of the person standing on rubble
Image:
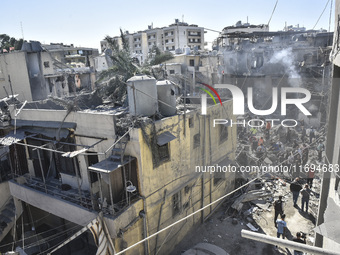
(320, 148)
(305, 192)
(254, 142)
(267, 131)
(253, 131)
(311, 135)
(303, 134)
(288, 135)
(281, 227)
(310, 177)
(295, 188)
(305, 152)
(278, 208)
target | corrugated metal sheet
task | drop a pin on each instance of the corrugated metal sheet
(108, 165)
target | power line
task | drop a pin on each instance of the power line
(186, 217)
(321, 14)
(199, 210)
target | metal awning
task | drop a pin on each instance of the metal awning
(12, 138)
(164, 138)
(108, 166)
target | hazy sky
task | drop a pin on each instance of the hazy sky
(85, 23)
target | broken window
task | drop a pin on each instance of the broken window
(223, 133)
(47, 64)
(18, 159)
(191, 122)
(176, 204)
(197, 140)
(164, 154)
(192, 62)
(172, 71)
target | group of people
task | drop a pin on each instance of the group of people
(281, 224)
(295, 158)
(282, 229)
(294, 153)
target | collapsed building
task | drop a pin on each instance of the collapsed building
(68, 164)
(251, 56)
(38, 71)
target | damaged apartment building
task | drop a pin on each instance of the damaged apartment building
(139, 170)
(39, 71)
(174, 37)
(252, 56)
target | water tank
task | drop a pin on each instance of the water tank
(142, 94)
(167, 98)
(187, 50)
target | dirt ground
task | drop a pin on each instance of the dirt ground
(221, 231)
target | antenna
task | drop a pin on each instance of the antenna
(22, 30)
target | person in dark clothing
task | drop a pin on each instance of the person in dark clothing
(288, 134)
(299, 239)
(295, 144)
(305, 152)
(295, 188)
(305, 193)
(278, 208)
(254, 142)
(311, 135)
(303, 134)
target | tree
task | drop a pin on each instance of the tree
(157, 57)
(6, 42)
(123, 68)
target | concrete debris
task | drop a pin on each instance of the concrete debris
(252, 228)
(251, 195)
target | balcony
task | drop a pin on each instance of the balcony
(194, 34)
(54, 197)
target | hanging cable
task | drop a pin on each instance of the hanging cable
(321, 14)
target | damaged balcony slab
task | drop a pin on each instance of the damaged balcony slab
(44, 124)
(52, 204)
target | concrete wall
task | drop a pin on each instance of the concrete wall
(177, 176)
(53, 205)
(14, 64)
(88, 124)
(329, 191)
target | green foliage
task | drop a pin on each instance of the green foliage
(157, 57)
(123, 68)
(6, 42)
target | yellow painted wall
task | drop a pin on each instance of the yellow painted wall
(178, 175)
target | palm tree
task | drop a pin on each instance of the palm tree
(123, 68)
